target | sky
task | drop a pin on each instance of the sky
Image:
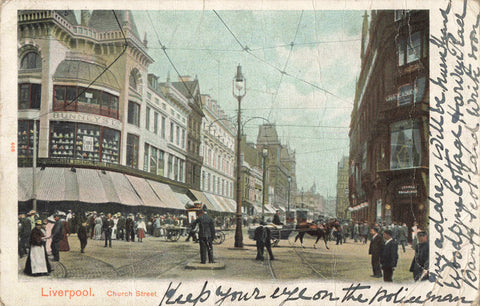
(310, 104)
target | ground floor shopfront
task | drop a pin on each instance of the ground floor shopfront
(397, 196)
(87, 189)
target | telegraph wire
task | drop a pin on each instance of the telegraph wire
(285, 66)
(164, 49)
(249, 51)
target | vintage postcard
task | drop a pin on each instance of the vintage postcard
(239, 153)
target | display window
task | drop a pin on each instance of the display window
(84, 142)
(25, 138)
(405, 145)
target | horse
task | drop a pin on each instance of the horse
(315, 230)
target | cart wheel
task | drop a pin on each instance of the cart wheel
(275, 242)
(218, 238)
(223, 237)
(176, 236)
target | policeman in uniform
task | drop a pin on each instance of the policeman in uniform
(206, 233)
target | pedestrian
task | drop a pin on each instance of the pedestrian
(120, 227)
(31, 218)
(82, 236)
(57, 236)
(276, 218)
(420, 261)
(37, 261)
(48, 233)
(206, 232)
(402, 234)
(129, 228)
(364, 232)
(24, 230)
(107, 226)
(142, 229)
(356, 232)
(157, 226)
(375, 250)
(114, 228)
(91, 224)
(415, 229)
(263, 237)
(389, 256)
(98, 227)
(64, 246)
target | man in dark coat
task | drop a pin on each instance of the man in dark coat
(107, 226)
(24, 229)
(375, 249)
(420, 262)
(129, 228)
(276, 218)
(120, 227)
(82, 236)
(263, 237)
(206, 233)
(57, 236)
(389, 257)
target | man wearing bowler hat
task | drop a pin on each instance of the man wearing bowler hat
(57, 236)
(389, 257)
(206, 233)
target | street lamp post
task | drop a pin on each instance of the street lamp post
(288, 200)
(264, 183)
(239, 91)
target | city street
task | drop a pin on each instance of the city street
(159, 259)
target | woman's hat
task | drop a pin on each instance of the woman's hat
(38, 222)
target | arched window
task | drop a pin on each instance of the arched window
(133, 80)
(31, 60)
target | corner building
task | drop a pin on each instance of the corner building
(108, 131)
(388, 171)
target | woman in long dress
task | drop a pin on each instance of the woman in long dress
(37, 260)
(64, 246)
(98, 228)
(142, 228)
(114, 228)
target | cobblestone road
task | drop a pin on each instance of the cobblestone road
(155, 258)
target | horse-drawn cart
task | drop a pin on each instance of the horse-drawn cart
(173, 233)
(279, 232)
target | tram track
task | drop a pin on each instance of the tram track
(304, 260)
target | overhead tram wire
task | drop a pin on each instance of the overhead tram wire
(164, 48)
(285, 66)
(249, 51)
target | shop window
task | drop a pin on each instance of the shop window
(170, 166)
(132, 150)
(88, 142)
(25, 137)
(409, 48)
(84, 142)
(111, 146)
(405, 145)
(146, 154)
(31, 60)
(29, 96)
(62, 140)
(133, 113)
(132, 81)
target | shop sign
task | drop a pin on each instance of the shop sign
(408, 189)
(405, 95)
(88, 143)
(86, 118)
(391, 98)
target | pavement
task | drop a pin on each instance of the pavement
(155, 258)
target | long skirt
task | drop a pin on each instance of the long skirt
(98, 231)
(114, 233)
(48, 230)
(156, 232)
(141, 233)
(37, 261)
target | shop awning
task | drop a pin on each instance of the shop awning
(218, 207)
(166, 195)
(90, 187)
(202, 198)
(125, 191)
(270, 209)
(181, 194)
(225, 203)
(145, 192)
(358, 207)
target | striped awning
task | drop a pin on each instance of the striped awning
(146, 193)
(166, 195)
(124, 189)
(203, 198)
(217, 205)
(90, 186)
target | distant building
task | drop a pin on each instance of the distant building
(390, 120)
(281, 180)
(311, 200)
(252, 179)
(343, 203)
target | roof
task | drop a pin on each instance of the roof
(267, 134)
(69, 70)
(104, 21)
(68, 15)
